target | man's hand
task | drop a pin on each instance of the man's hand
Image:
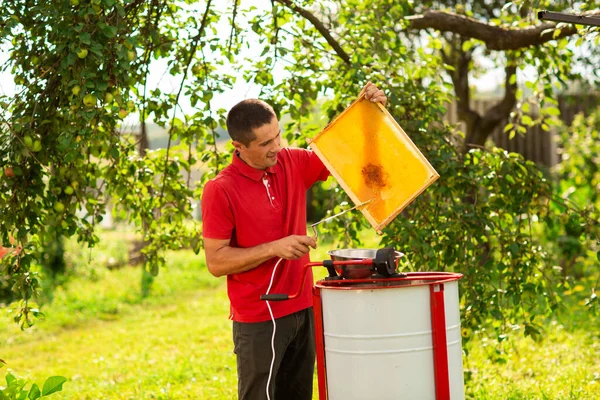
(293, 247)
(373, 93)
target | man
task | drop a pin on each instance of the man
(254, 213)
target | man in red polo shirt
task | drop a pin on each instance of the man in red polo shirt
(254, 214)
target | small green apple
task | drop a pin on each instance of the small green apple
(64, 224)
(28, 141)
(89, 100)
(75, 184)
(75, 3)
(76, 89)
(69, 190)
(82, 53)
(123, 113)
(131, 55)
(59, 207)
(108, 97)
(37, 146)
(130, 105)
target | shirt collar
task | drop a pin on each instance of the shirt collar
(248, 171)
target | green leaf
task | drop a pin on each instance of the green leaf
(85, 37)
(556, 33)
(109, 31)
(10, 378)
(598, 255)
(526, 120)
(467, 45)
(34, 392)
(53, 384)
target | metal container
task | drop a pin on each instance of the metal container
(396, 338)
(356, 271)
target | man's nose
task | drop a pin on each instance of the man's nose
(276, 146)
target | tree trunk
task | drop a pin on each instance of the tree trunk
(478, 127)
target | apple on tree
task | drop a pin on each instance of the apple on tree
(82, 53)
(28, 141)
(89, 100)
(59, 207)
(9, 172)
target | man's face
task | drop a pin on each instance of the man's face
(261, 153)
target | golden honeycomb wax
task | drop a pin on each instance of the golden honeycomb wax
(371, 157)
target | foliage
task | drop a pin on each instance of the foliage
(82, 65)
(64, 157)
(15, 388)
(578, 183)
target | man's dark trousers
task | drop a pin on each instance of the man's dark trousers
(292, 377)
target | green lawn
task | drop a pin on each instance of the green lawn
(176, 344)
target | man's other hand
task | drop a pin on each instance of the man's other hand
(293, 247)
(373, 93)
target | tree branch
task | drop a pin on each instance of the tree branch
(193, 48)
(460, 60)
(494, 37)
(320, 27)
(232, 32)
(498, 113)
(502, 110)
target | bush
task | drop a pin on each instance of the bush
(15, 387)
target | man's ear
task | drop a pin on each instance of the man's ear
(237, 145)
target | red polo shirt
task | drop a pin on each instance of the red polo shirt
(237, 205)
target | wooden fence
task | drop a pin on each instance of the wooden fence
(536, 145)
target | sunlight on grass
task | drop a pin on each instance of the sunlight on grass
(111, 343)
(564, 365)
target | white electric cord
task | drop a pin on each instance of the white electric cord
(274, 329)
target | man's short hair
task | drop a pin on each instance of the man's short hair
(248, 115)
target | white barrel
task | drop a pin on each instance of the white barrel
(378, 341)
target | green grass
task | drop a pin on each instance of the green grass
(176, 344)
(564, 365)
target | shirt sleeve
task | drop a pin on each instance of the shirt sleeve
(217, 217)
(311, 167)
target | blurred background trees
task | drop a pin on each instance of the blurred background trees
(523, 234)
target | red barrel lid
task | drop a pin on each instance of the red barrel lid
(411, 279)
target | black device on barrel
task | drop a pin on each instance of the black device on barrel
(352, 264)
